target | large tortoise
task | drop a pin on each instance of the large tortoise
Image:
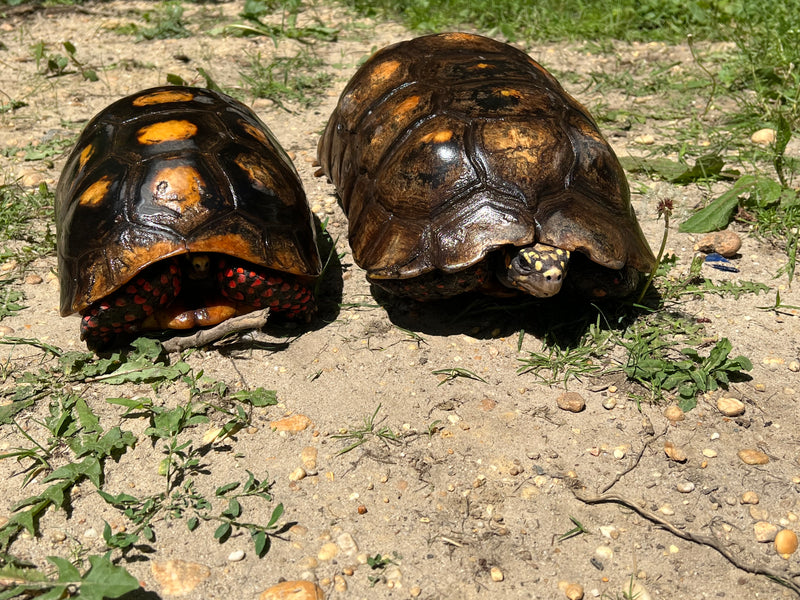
(462, 164)
(178, 208)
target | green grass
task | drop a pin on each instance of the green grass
(757, 72)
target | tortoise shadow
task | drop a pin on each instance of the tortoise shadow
(564, 319)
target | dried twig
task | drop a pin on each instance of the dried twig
(203, 337)
(633, 464)
(703, 540)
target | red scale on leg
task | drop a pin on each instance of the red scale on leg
(125, 309)
(254, 288)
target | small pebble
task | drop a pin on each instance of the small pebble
(749, 497)
(773, 362)
(685, 487)
(674, 452)
(610, 402)
(293, 590)
(714, 436)
(292, 424)
(571, 401)
(666, 510)
(709, 453)
(308, 456)
(57, 536)
(415, 591)
(605, 553)
(236, 556)
(673, 413)
(645, 140)
(339, 584)
(764, 531)
(5, 330)
(347, 544)
(726, 243)
(178, 577)
(757, 513)
(33, 279)
(753, 457)
(794, 366)
(786, 542)
(496, 574)
(328, 551)
(730, 407)
(763, 137)
(574, 591)
(298, 474)
(609, 531)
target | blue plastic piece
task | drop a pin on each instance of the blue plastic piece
(719, 262)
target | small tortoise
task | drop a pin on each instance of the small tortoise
(178, 208)
(463, 165)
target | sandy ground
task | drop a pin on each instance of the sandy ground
(473, 497)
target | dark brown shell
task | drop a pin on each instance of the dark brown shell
(448, 146)
(172, 170)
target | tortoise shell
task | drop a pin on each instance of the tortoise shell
(447, 147)
(170, 171)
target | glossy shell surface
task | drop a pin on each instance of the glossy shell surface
(172, 170)
(448, 146)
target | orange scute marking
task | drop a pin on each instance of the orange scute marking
(459, 36)
(86, 154)
(439, 137)
(481, 65)
(255, 132)
(163, 96)
(511, 93)
(96, 192)
(406, 105)
(259, 176)
(178, 188)
(166, 131)
(384, 71)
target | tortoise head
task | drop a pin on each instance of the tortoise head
(538, 270)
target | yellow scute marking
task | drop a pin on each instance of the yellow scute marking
(481, 65)
(163, 97)
(86, 154)
(178, 188)
(166, 131)
(511, 93)
(96, 192)
(439, 137)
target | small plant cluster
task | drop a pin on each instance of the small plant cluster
(76, 446)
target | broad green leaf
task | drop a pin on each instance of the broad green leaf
(106, 580)
(718, 214)
(705, 167)
(223, 532)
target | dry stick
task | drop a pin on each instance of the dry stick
(633, 464)
(253, 320)
(704, 540)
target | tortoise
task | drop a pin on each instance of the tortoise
(177, 209)
(462, 164)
